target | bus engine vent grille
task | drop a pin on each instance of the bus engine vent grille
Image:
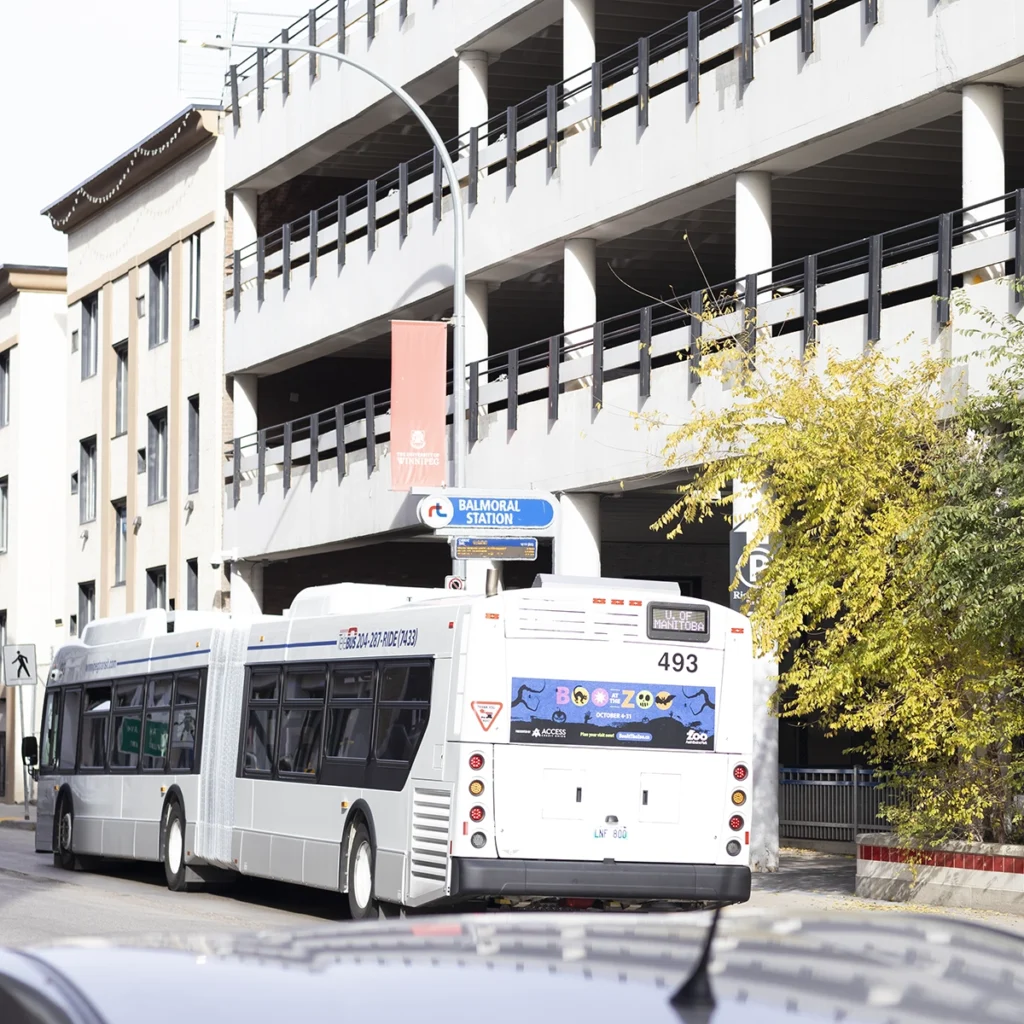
(431, 825)
(561, 618)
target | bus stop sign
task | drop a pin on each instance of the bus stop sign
(477, 513)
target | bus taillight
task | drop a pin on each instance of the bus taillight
(739, 798)
(740, 772)
(476, 761)
(735, 822)
(476, 787)
(476, 814)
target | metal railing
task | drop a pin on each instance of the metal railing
(722, 31)
(920, 259)
(831, 804)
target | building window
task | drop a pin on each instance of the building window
(120, 541)
(156, 458)
(74, 341)
(192, 584)
(193, 444)
(156, 587)
(74, 483)
(73, 625)
(90, 334)
(121, 389)
(159, 300)
(86, 604)
(3, 513)
(193, 281)
(5, 388)
(87, 480)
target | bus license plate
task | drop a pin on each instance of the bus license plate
(618, 832)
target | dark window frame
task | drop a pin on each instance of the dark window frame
(367, 772)
(91, 716)
(159, 299)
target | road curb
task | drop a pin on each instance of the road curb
(26, 826)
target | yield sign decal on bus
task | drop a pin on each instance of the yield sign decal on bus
(486, 712)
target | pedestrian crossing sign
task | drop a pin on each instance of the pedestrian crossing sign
(20, 664)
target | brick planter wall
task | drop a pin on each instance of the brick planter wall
(981, 875)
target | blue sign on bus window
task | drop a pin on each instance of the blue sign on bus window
(584, 712)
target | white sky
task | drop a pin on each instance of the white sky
(81, 81)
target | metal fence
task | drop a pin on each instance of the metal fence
(831, 804)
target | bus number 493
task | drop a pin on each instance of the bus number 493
(678, 662)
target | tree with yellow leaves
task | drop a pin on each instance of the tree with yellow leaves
(855, 464)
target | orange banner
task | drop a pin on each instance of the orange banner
(419, 442)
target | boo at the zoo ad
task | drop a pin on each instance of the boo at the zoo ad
(612, 714)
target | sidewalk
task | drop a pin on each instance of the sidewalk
(13, 816)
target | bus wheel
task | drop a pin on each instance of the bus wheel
(64, 854)
(174, 848)
(361, 904)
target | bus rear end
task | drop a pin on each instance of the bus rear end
(604, 747)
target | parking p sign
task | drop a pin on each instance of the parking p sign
(20, 664)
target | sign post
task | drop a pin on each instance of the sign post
(20, 670)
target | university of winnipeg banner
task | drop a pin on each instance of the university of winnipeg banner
(418, 438)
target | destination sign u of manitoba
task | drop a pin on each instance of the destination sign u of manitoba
(529, 512)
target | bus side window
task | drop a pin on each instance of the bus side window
(48, 753)
(261, 718)
(302, 719)
(70, 713)
(185, 725)
(95, 726)
(403, 709)
(350, 712)
(126, 736)
(156, 723)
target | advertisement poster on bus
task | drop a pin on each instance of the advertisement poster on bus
(590, 713)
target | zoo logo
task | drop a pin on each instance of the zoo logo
(696, 738)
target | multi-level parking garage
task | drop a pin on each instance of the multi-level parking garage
(615, 157)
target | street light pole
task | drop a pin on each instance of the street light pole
(459, 445)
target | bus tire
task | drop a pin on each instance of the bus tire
(173, 845)
(361, 903)
(64, 827)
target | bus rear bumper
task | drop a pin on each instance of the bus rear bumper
(474, 877)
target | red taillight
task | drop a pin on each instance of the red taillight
(739, 773)
(735, 822)
(476, 814)
(476, 761)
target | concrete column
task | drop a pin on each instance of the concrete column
(579, 50)
(476, 320)
(984, 163)
(476, 574)
(243, 217)
(244, 402)
(579, 299)
(764, 807)
(754, 225)
(473, 109)
(246, 588)
(578, 544)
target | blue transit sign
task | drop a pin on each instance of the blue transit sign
(454, 513)
(496, 549)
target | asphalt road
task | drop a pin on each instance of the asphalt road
(40, 903)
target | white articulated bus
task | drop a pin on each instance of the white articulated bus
(581, 740)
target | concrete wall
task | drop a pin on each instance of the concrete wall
(983, 876)
(586, 449)
(32, 569)
(795, 113)
(343, 105)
